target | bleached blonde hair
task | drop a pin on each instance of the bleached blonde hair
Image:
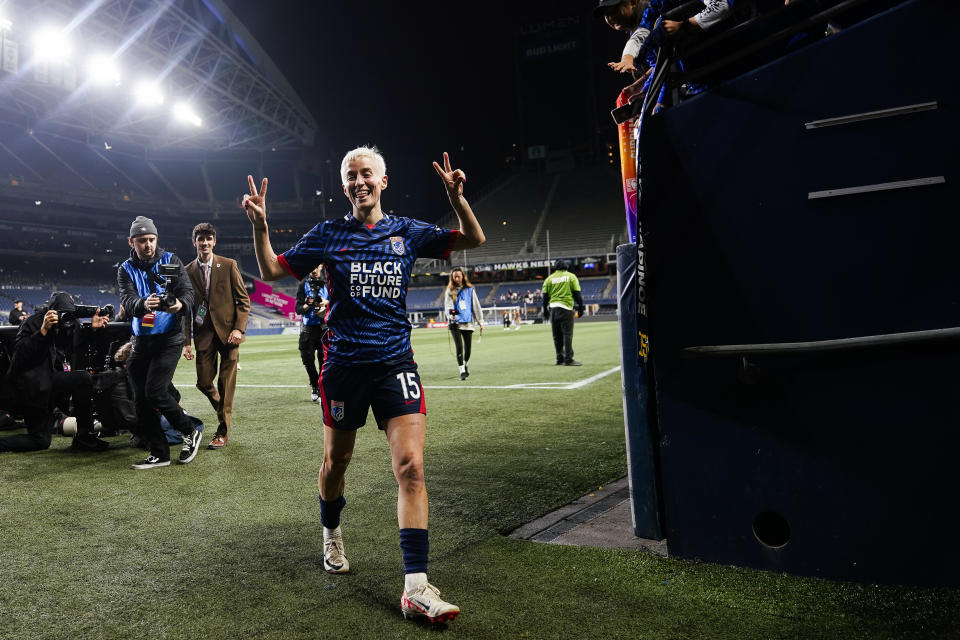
(363, 152)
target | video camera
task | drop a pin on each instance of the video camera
(166, 279)
(315, 285)
(69, 318)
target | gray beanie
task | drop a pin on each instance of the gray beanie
(142, 226)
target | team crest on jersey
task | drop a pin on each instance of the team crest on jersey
(396, 243)
(336, 410)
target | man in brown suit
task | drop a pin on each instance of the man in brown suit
(221, 309)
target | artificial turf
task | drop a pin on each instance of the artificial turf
(229, 545)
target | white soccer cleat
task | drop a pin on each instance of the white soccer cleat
(334, 559)
(425, 601)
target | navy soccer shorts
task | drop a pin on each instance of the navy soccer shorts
(347, 392)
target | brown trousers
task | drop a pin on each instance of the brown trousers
(220, 396)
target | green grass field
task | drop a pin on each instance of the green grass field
(229, 546)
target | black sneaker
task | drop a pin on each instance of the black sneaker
(463, 376)
(314, 394)
(191, 444)
(150, 462)
(559, 361)
(89, 442)
(572, 363)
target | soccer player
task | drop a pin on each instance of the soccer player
(369, 362)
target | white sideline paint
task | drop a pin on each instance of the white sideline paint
(559, 386)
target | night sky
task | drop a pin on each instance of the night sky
(446, 77)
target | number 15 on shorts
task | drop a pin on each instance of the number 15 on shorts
(409, 385)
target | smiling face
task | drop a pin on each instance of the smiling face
(363, 184)
(144, 245)
(204, 244)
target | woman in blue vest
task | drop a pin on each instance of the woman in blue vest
(464, 315)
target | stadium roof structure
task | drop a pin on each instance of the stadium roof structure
(195, 51)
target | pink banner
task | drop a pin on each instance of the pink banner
(263, 294)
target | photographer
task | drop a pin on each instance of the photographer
(37, 378)
(312, 305)
(155, 291)
(462, 309)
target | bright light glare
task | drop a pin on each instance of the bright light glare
(148, 94)
(51, 45)
(5, 24)
(103, 70)
(183, 112)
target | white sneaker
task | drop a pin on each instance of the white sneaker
(425, 601)
(334, 560)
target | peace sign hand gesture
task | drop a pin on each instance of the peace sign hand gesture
(255, 204)
(453, 179)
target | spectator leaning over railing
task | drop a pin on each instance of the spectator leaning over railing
(662, 21)
(624, 15)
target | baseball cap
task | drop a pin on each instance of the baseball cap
(601, 7)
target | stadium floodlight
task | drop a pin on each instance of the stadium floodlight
(103, 70)
(148, 94)
(183, 112)
(51, 45)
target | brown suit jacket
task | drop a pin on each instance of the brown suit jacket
(228, 304)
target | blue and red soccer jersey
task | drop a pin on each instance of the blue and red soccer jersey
(368, 271)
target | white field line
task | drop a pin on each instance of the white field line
(586, 381)
(558, 386)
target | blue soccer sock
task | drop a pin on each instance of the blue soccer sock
(330, 511)
(415, 547)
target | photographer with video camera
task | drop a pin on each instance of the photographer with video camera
(39, 376)
(156, 293)
(312, 306)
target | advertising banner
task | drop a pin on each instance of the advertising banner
(628, 169)
(264, 294)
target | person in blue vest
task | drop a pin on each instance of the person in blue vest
(462, 308)
(157, 311)
(312, 306)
